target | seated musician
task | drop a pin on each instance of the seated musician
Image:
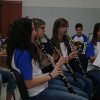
(80, 39)
(24, 55)
(93, 51)
(79, 36)
(5, 75)
(80, 83)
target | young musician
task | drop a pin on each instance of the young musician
(79, 83)
(79, 36)
(23, 55)
(93, 51)
(62, 43)
(81, 41)
(6, 76)
(40, 28)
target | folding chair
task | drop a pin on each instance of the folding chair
(21, 85)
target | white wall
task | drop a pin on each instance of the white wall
(63, 3)
(12, 0)
(86, 12)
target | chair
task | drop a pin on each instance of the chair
(21, 85)
(4, 82)
(13, 93)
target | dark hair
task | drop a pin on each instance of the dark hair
(58, 23)
(20, 37)
(38, 22)
(78, 25)
(96, 28)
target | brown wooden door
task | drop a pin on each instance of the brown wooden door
(9, 11)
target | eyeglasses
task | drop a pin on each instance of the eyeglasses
(41, 27)
(65, 26)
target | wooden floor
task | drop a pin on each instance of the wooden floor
(3, 94)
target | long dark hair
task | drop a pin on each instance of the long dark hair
(58, 23)
(20, 37)
(96, 28)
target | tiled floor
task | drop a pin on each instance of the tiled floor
(3, 94)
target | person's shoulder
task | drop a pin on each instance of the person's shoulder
(90, 44)
(84, 35)
(23, 53)
(73, 36)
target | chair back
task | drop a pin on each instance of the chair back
(21, 85)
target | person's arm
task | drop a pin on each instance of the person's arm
(90, 52)
(73, 54)
(37, 81)
(92, 58)
(46, 62)
(25, 66)
(40, 80)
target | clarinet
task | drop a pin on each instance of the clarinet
(67, 84)
(77, 58)
(59, 53)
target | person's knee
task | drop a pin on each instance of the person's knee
(0, 80)
(89, 82)
(0, 83)
(11, 88)
(82, 83)
(11, 85)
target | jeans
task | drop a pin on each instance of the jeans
(7, 76)
(94, 75)
(57, 81)
(52, 94)
(88, 85)
(78, 83)
(65, 89)
(59, 85)
(83, 83)
(0, 83)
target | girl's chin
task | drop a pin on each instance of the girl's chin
(42, 36)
